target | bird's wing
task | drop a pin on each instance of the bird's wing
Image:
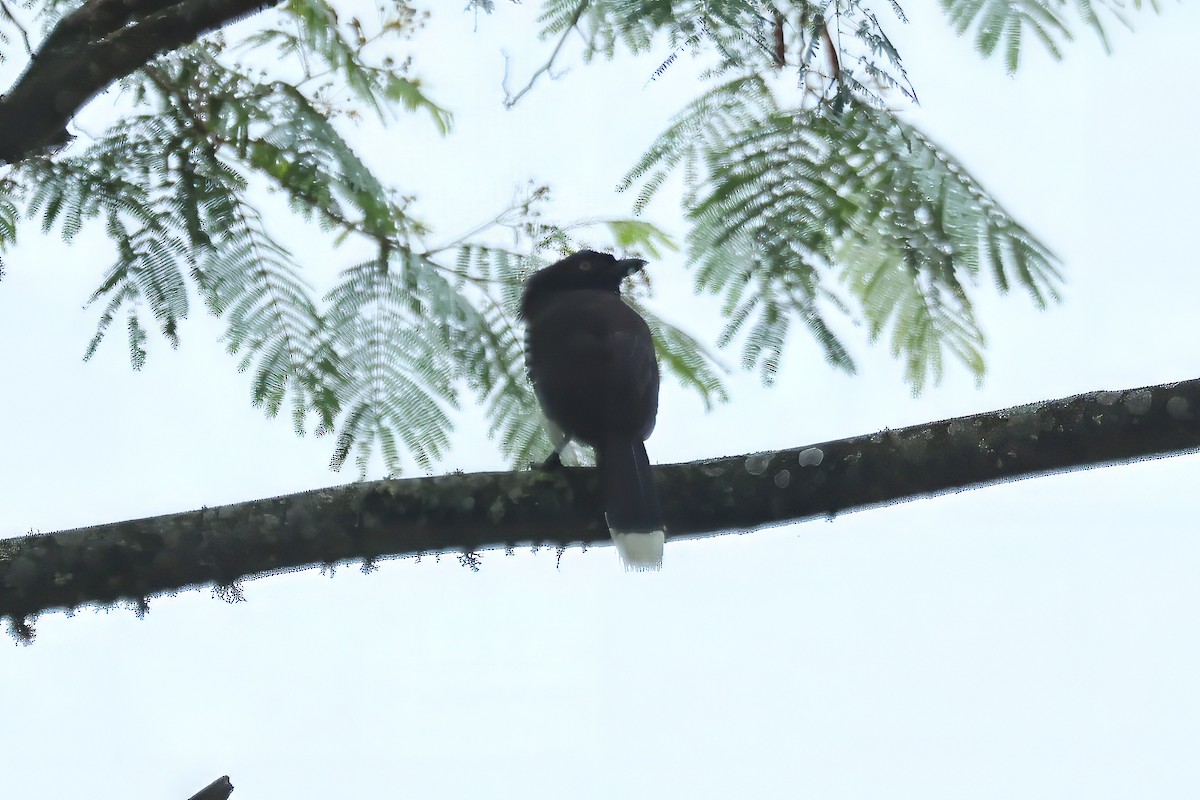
(635, 371)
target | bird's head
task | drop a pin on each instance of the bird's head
(586, 269)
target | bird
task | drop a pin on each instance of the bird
(590, 357)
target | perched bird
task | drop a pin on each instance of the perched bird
(591, 359)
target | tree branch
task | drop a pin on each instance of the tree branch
(511, 99)
(220, 789)
(101, 42)
(130, 561)
(16, 23)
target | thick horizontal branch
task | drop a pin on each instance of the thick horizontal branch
(90, 48)
(131, 561)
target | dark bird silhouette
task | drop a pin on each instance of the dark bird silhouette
(591, 359)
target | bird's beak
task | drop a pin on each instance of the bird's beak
(631, 265)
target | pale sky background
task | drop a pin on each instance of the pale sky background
(1033, 640)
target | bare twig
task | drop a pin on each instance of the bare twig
(510, 99)
(7, 12)
(780, 42)
(835, 65)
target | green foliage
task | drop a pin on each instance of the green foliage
(640, 235)
(250, 279)
(9, 214)
(743, 32)
(745, 36)
(153, 255)
(495, 366)
(791, 206)
(783, 200)
(789, 203)
(383, 358)
(1000, 25)
(824, 206)
(388, 322)
(341, 47)
(921, 232)
(686, 358)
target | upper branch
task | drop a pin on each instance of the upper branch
(100, 42)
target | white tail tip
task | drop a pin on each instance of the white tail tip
(640, 552)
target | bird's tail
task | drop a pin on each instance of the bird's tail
(630, 502)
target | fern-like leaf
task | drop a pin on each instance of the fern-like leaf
(787, 200)
(1001, 25)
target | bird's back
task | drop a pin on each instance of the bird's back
(591, 358)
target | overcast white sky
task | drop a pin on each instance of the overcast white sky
(1033, 640)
